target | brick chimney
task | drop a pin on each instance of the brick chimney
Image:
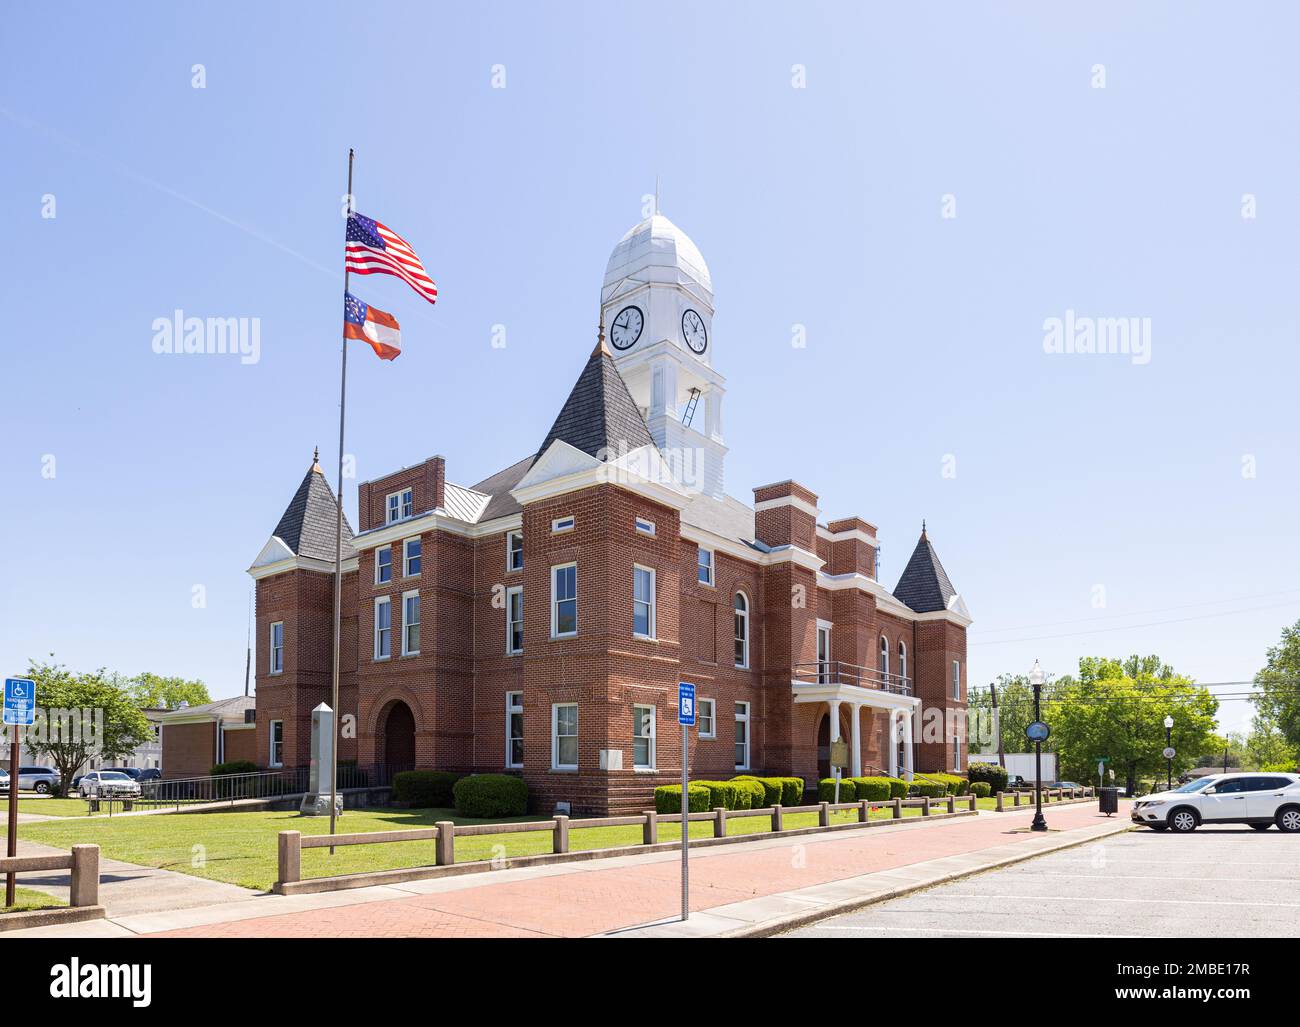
(785, 514)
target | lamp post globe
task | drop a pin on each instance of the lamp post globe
(1169, 760)
(1036, 679)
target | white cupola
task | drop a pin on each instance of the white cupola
(657, 303)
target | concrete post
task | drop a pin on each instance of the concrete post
(719, 822)
(446, 843)
(898, 809)
(776, 817)
(290, 853)
(1016, 798)
(925, 805)
(561, 839)
(1002, 801)
(864, 811)
(85, 876)
(824, 814)
(952, 804)
(650, 830)
(973, 803)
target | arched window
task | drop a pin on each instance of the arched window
(742, 630)
(902, 658)
(884, 657)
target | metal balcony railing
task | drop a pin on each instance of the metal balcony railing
(833, 672)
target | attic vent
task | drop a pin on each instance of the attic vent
(250, 715)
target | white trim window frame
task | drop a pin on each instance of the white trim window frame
(704, 568)
(562, 524)
(740, 632)
(706, 723)
(564, 717)
(275, 757)
(383, 565)
(399, 506)
(742, 736)
(514, 553)
(276, 663)
(643, 737)
(643, 601)
(515, 620)
(383, 628)
(823, 652)
(902, 659)
(411, 619)
(884, 658)
(956, 680)
(956, 753)
(644, 526)
(514, 730)
(410, 559)
(564, 600)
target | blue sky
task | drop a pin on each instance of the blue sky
(818, 206)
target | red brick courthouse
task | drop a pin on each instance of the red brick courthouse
(538, 621)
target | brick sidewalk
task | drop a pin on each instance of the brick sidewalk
(642, 889)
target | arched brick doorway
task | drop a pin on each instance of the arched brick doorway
(824, 742)
(398, 742)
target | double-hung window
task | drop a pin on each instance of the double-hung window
(401, 505)
(823, 652)
(643, 737)
(411, 557)
(383, 628)
(742, 630)
(704, 566)
(277, 647)
(410, 623)
(704, 718)
(514, 729)
(564, 600)
(742, 736)
(956, 679)
(643, 602)
(276, 755)
(515, 620)
(564, 736)
(515, 551)
(383, 565)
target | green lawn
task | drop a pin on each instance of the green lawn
(29, 898)
(49, 807)
(240, 848)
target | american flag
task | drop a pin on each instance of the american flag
(373, 249)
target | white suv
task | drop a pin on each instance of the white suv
(1260, 800)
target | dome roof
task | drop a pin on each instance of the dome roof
(657, 250)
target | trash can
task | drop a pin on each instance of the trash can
(1109, 800)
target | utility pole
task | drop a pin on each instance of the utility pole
(997, 723)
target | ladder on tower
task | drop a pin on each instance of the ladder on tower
(691, 404)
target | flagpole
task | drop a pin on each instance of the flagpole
(338, 538)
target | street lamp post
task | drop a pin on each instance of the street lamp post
(1037, 731)
(1169, 748)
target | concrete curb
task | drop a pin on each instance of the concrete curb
(779, 925)
(50, 917)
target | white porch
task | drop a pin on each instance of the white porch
(901, 710)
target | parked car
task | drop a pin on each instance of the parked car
(37, 779)
(1260, 800)
(1015, 782)
(108, 784)
(4, 781)
(1065, 784)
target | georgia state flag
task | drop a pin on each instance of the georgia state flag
(369, 324)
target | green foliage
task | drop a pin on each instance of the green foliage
(234, 767)
(490, 795)
(876, 789)
(668, 799)
(753, 794)
(67, 705)
(726, 794)
(1266, 745)
(424, 789)
(934, 789)
(953, 784)
(1285, 767)
(897, 788)
(981, 789)
(1279, 686)
(771, 789)
(792, 789)
(988, 773)
(826, 790)
(152, 691)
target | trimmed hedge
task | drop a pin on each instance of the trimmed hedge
(668, 799)
(771, 789)
(234, 767)
(876, 789)
(424, 789)
(757, 794)
(990, 773)
(490, 795)
(788, 791)
(897, 787)
(726, 794)
(981, 789)
(953, 785)
(934, 789)
(826, 790)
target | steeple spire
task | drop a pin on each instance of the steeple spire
(601, 347)
(315, 460)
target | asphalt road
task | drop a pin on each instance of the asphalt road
(1227, 881)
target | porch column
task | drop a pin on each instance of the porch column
(908, 746)
(891, 741)
(834, 704)
(855, 733)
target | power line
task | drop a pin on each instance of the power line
(1131, 627)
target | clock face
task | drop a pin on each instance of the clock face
(693, 329)
(627, 328)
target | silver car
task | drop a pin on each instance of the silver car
(37, 779)
(108, 784)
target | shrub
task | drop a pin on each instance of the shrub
(990, 773)
(753, 793)
(934, 789)
(826, 790)
(668, 799)
(490, 795)
(726, 794)
(792, 789)
(771, 789)
(952, 784)
(876, 789)
(234, 767)
(425, 788)
(897, 788)
(981, 789)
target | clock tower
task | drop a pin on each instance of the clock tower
(657, 301)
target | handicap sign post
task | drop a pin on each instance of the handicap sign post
(19, 711)
(686, 718)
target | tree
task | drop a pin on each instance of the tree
(80, 716)
(1117, 709)
(1015, 711)
(1266, 746)
(152, 691)
(1278, 686)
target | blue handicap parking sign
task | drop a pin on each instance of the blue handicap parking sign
(20, 701)
(686, 704)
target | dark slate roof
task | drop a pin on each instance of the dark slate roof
(309, 521)
(924, 585)
(498, 486)
(599, 413)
